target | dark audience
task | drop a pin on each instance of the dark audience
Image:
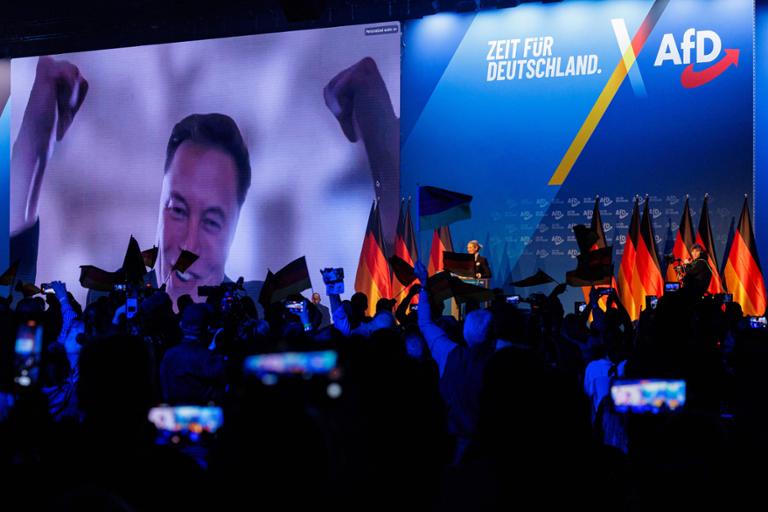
(510, 407)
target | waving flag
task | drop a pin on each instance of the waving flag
(440, 207)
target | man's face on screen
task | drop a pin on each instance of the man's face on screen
(199, 213)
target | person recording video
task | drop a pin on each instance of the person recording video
(697, 272)
(482, 269)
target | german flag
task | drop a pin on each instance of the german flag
(405, 244)
(441, 242)
(373, 277)
(629, 284)
(289, 280)
(648, 259)
(743, 275)
(728, 244)
(705, 239)
(683, 242)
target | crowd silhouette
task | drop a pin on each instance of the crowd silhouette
(510, 407)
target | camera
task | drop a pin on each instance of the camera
(46, 288)
(651, 301)
(579, 307)
(758, 322)
(605, 291)
(513, 299)
(671, 287)
(334, 280)
(332, 275)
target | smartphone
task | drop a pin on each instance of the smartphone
(651, 301)
(414, 307)
(185, 423)
(671, 287)
(605, 291)
(292, 363)
(648, 395)
(579, 306)
(46, 288)
(131, 307)
(295, 306)
(513, 299)
(758, 322)
(28, 349)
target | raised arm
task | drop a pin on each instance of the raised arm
(359, 99)
(401, 313)
(440, 345)
(57, 94)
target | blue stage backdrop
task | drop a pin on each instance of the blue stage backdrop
(761, 133)
(5, 156)
(531, 111)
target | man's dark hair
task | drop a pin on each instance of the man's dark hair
(699, 247)
(218, 131)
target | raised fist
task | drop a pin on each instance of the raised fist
(57, 94)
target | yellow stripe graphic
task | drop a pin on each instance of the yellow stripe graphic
(594, 117)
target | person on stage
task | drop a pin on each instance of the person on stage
(697, 272)
(482, 269)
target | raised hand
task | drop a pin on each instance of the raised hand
(57, 94)
(358, 98)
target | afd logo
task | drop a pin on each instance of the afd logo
(557, 239)
(708, 48)
(699, 47)
(557, 214)
(622, 213)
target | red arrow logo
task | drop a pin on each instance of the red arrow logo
(691, 78)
